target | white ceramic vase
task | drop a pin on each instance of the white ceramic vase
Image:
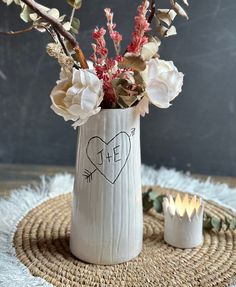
(107, 217)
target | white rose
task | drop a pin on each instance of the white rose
(77, 96)
(163, 82)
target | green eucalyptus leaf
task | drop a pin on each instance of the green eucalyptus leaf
(227, 223)
(216, 223)
(75, 3)
(75, 25)
(232, 224)
(73, 31)
(153, 195)
(207, 223)
(147, 203)
(157, 204)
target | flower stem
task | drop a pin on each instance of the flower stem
(153, 10)
(17, 32)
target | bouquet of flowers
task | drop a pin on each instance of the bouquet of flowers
(135, 77)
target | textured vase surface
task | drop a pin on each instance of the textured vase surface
(107, 218)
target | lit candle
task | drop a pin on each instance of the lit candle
(183, 221)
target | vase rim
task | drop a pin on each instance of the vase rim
(119, 109)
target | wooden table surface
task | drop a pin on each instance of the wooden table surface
(14, 176)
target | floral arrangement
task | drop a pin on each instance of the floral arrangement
(135, 77)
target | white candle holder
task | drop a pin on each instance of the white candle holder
(183, 221)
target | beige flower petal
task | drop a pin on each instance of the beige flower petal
(88, 100)
(158, 94)
(149, 50)
(171, 31)
(58, 98)
(143, 106)
(166, 15)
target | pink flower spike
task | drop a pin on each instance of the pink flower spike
(115, 36)
(101, 50)
(99, 33)
(109, 15)
(141, 27)
(93, 57)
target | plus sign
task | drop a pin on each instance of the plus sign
(109, 156)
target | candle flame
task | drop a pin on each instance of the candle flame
(183, 205)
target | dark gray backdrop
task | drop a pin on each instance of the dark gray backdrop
(197, 133)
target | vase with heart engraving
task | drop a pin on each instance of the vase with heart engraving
(107, 218)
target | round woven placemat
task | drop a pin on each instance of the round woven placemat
(42, 244)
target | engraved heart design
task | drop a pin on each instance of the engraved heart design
(110, 157)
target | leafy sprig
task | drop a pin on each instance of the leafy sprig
(164, 18)
(151, 199)
(47, 19)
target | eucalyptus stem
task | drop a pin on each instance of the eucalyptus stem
(72, 15)
(153, 10)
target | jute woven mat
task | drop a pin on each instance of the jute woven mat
(42, 244)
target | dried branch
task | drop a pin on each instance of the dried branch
(153, 10)
(59, 27)
(17, 32)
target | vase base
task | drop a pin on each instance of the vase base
(104, 261)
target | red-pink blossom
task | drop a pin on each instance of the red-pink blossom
(99, 33)
(101, 51)
(116, 37)
(107, 72)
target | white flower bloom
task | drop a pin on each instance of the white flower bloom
(77, 96)
(163, 82)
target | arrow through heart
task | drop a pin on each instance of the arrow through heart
(109, 158)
